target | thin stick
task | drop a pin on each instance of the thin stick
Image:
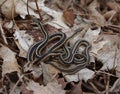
(12, 91)
(94, 87)
(115, 26)
(114, 62)
(28, 8)
(3, 3)
(54, 76)
(107, 84)
(38, 10)
(105, 73)
(111, 17)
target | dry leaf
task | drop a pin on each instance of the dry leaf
(84, 74)
(104, 47)
(113, 5)
(21, 8)
(16, 91)
(109, 54)
(95, 15)
(9, 60)
(62, 82)
(63, 4)
(76, 89)
(8, 8)
(12, 8)
(57, 15)
(23, 41)
(116, 86)
(52, 70)
(35, 70)
(69, 17)
(25, 91)
(98, 46)
(92, 36)
(9, 24)
(51, 88)
(47, 73)
(109, 14)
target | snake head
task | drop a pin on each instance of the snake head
(36, 20)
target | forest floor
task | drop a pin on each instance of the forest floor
(36, 34)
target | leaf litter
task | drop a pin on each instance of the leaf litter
(97, 21)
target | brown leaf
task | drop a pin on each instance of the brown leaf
(113, 5)
(76, 89)
(69, 17)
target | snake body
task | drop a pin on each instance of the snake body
(69, 59)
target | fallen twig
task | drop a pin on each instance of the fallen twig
(38, 10)
(3, 34)
(12, 91)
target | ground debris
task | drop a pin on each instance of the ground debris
(96, 21)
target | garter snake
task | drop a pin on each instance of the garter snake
(35, 50)
(32, 51)
(68, 55)
(52, 50)
(73, 52)
(73, 69)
